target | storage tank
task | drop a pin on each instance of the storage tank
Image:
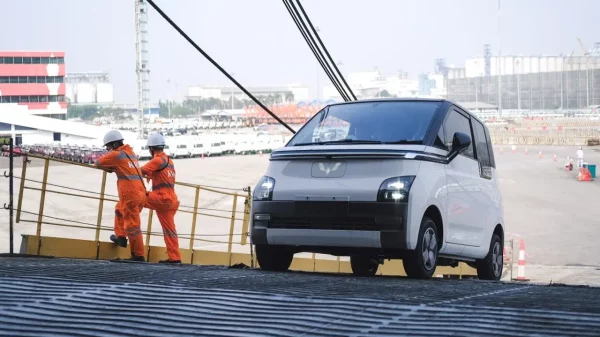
(104, 93)
(85, 93)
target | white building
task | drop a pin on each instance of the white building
(89, 88)
(31, 129)
(299, 92)
(371, 84)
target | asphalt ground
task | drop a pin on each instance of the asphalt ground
(61, 297)
(555, 215)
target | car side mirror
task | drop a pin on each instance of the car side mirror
(460, 142)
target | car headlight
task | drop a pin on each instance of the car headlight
(264, 189)
(395, 189)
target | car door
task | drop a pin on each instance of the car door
(462, 174)
(487, 192)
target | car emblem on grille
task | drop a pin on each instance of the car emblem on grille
(327, 168)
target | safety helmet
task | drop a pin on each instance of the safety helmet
(112, 136)
(156, 140)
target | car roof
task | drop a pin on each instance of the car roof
(410, 99)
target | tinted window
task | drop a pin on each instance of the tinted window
(457, 122)
(481, 145)
(389, 121)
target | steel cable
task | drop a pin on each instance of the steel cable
(201, 51)
(87, 225)
(325, 50)
(116, 196)
(317, 52)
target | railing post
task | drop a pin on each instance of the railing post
(100, 209)
(22, 188)
(231, 227)
(38, 232)
(194, 218)
(148, 231)
(246, 220)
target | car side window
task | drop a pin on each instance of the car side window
(457, 122)
(481, 146)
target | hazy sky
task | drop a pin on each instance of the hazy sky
(258, 41)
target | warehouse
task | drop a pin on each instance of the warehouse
(31, 129)
(528, 82)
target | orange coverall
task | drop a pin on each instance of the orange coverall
(132, 195)
(163, 199)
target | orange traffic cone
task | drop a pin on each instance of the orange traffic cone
(521, 269)
(584, 174)
(555, 159)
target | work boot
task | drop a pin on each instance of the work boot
(133, 258)
(119, 240)
(136, 258)
(169, 261)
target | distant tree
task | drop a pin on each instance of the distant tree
(384, 93)
(289, 97)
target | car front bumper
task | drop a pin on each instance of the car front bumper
(324, 224)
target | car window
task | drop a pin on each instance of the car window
(481, 146)
(387, 121)
(457, 122)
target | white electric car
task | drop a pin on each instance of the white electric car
(384, 179)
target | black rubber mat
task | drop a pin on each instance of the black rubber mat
(59, 297)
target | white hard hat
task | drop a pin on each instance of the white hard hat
(112, 136)
(156, 139)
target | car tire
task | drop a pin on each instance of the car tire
(363, 266)
(490, 267)
(273, 258)
(414, 262)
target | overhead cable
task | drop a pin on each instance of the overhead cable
(326, 52)
(201, 51)
(314, 48)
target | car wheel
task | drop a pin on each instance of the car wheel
(273, 258)
(490, 268)
(363, 266)
(421, 262)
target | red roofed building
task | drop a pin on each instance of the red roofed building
(33, 82)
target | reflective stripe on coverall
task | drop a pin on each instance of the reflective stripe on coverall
(163, 199)
(132, 195)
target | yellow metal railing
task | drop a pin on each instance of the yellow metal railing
(102, 197)
(97, 249)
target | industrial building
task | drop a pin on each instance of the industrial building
(34, 82)
(528, 82)
(370, 84)
(89, 88)
(286, 93)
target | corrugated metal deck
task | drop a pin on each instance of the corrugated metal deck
(61, 297)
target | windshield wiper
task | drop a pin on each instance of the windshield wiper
(405, 141)
(357, 142)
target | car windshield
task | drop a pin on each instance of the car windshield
(369, 122)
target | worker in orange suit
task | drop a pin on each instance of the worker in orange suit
(132, 193)
(163, 199)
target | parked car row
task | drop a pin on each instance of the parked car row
(176, 147)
